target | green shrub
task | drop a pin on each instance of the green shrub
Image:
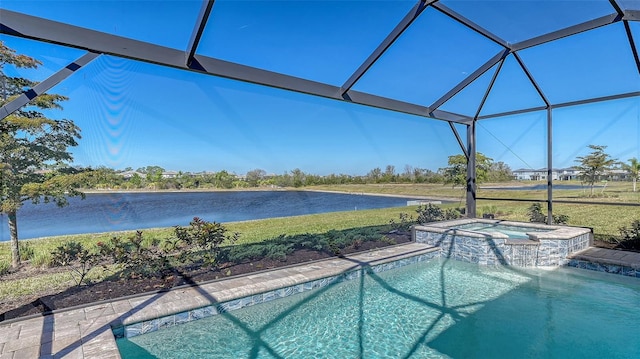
(404, 224)
(278, 248)
(536, 215)
(26, 250)
(630, 237)
(4, 267)
(335, 241)
(42, 259)
(452, 213)
(388, 240)
(433, 213)
(204, 239)
(136, 254)
(241, 253)
(489, 209)
(333, 247)
(560, 218)
(278, 251)
(78, 258)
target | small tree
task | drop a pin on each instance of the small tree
(594, 165)
(634, 170)
(374, 175)
(29, 142)
(223, 179)
(456, 173)
(153, 176)
(255, 176)
(499, 172)
(299, 177)
(389, 174)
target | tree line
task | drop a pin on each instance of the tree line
(593, 167)
(157, 178)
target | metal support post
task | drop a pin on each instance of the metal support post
(549, 166)
(471, 170)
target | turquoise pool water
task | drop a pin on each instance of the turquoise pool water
(511, 231)
(438, 309)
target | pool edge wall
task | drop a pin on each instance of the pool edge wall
(128, 330)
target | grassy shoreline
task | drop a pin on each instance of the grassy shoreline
(251, 231)
(45, 281)
(606, 220)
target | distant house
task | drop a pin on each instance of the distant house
(618, 175)
(524, 174)
(558, 174)
(568, 174)
(169, 174)
(565, 174)
(131, 174)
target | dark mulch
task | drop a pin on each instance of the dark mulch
(630, 246)
(121, 287)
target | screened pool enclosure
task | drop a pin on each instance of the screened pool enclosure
(528, 83)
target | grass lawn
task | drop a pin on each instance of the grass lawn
(250, 231)
(48, 281)
(604, 219)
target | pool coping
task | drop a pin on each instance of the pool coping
(614, 261)
(86, 332)
(551, 231)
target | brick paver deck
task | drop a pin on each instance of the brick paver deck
(86, 332)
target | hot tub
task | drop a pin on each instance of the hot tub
(495, 242)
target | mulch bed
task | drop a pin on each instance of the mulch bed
(121, 287)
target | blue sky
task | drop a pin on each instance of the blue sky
(134, 114)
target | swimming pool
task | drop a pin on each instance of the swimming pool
(441, 308)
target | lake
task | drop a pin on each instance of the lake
(105, 212)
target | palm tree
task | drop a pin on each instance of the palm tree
(634, 170)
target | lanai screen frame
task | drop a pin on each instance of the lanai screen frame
(97, 43)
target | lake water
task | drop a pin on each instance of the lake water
(106, 212)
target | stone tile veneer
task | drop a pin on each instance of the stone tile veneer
(152, 325)
(625, 270)
(547, 248)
